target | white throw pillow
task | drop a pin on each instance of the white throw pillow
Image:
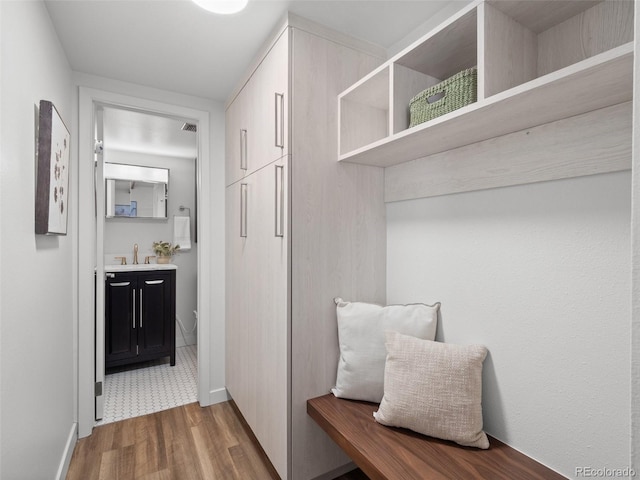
(434, 388)
(361, 334)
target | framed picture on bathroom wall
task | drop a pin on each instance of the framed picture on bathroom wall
(52, 175)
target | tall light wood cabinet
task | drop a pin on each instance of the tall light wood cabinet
(301, 229)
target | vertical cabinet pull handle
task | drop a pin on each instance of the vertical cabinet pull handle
(279, 201)
(133, 308)
(279, 122)
(140, 308)
(243, 209)
(243, 149)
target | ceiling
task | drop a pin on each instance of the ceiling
(138, 132)
(176, 46)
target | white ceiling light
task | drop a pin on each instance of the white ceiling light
(224, 7)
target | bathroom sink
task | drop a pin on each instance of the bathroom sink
(140, 267)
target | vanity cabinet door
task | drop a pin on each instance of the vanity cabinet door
(156, 315)
(140, 317)
(120, 319)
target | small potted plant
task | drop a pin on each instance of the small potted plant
(164, 251)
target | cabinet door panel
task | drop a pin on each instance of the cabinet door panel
(268, 331)
(155, 313)
(256, 121)
(269, 107)
(236, 137)
(257, 305)
(237, 370)
(120, 319)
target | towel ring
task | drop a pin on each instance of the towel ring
(183, 208)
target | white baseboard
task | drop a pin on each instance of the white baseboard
(218, 396)
(67, 453)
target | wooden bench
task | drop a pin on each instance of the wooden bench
(395, 453)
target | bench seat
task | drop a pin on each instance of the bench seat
(400, 454)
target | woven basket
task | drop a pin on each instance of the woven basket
(449, 95)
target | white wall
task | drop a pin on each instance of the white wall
(36, 278)
(121, 233)
(540, 274)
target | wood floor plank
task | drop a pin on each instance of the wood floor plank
(244, 466)
(184, 443)
(225, 423)
(88, 453)
(117, 464)
(203, 453)
(225, 439)
(150, 455)
(124, 436)
(176, 439)
(160, 475)
(108, 465)
(194, 414)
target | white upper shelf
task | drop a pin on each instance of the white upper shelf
(537, 62)
(594, 83)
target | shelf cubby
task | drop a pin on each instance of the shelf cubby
(446, 51)
(538, 62)
(524, 40)
(365, 103)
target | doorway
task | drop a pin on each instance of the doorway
(139, 209)
(91, 245)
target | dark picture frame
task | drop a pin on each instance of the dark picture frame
(52, 175)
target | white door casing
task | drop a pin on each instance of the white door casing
(99, 156)
(90, 257)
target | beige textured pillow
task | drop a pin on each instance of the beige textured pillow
(361, 334)
(434, 388)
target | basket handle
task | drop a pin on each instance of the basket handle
(437, 96)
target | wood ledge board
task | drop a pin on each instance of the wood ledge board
(399, 454)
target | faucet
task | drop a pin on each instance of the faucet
(135, 254)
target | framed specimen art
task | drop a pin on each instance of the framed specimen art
(52, 176)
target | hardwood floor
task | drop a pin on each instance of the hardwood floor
(183, 443)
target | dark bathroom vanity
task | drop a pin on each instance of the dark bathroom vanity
(140, 311)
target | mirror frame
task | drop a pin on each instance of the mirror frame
(135, 173)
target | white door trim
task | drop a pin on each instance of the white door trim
(88, 97)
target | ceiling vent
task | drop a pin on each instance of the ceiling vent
(189, 127)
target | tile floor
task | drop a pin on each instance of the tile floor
(150, 387)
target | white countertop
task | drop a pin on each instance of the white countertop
(140, 267)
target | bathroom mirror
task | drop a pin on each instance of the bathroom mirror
(135, 192)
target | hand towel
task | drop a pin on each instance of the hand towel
(182, 232)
